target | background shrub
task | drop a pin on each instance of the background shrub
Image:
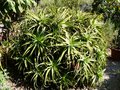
(12, 11)
(111, 11)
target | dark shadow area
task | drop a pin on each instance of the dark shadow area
(17, 78)
(111, 76)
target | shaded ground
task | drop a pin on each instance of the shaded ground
(111, 76)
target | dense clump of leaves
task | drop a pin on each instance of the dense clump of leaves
(13, 10)
(61, 47)
(110, 9)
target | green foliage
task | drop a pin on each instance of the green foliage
(12, 10)
(15, 6)
(3, 80)
(61, 47)
(110, 8)
(73, 4)
(111, 11)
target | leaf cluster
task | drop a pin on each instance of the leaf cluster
(61, 47)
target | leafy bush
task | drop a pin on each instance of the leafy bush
(12, 10)
(110, 8)
(74, 4)
(111, 11)
(61, 47)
